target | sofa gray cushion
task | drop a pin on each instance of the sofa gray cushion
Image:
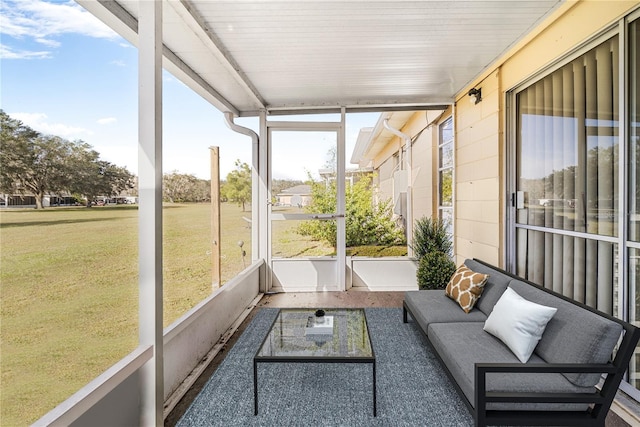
(461, 345)
(573, 335)
(493, 289)
(431, 306)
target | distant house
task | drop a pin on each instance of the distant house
(351, 175)
(299, 195)
(29, 201)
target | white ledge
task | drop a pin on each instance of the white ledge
(85, 398)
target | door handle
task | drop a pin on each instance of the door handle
(327, 216)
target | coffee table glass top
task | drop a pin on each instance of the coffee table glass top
(299, 333)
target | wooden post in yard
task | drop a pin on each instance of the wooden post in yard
(215, 218)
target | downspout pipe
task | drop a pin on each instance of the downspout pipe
(255, 196)
(409, 218)
(228, 118)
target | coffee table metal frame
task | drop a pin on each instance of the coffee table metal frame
(312, 359)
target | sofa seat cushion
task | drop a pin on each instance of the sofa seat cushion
(495, 285)
(433, 306)
(461, 345)
(573, 335)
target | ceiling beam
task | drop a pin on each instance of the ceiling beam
(223, 103)
(377, 108)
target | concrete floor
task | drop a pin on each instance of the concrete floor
(351, 298)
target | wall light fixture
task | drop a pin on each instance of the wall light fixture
(475, 95)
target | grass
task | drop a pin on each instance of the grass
(69, 283)
(69, 290)
(377, 251)
(289, 244)
(68, 312)
(187, 253)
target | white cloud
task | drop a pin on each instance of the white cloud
(39, 122)
(42, 21)
(8, 53)
(119, 63)
(47, 42)
(107, 120)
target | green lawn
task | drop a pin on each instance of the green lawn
(69, 287)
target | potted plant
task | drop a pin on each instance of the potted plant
(434, 270)
(432, 247)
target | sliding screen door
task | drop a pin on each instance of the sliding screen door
(633, 151)
(567, 174)
(575, 172)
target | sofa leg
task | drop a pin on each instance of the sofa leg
(404, 314)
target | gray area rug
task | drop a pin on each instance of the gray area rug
(413, 390)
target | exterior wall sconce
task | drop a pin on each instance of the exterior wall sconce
(475, 95)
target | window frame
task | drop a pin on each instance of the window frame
(447, 121)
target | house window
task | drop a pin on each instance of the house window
(574, 149)
(445, 174)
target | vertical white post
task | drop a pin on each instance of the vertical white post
(216, 270)
(257, 208)
(409, 161)
(341, 205)
(150, 208)
(264, 165)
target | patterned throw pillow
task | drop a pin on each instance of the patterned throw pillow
(465, 287)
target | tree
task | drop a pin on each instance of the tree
(103, 179)
(37, 166)
(201, 192)
(15, 138)
(331, 161)
(176, 186)
(181, 188)
(237, 188)
(29, 160)
(43, 164)
(91, 177)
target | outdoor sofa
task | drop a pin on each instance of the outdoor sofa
(569, 379)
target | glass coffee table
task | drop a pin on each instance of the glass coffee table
(316, 336)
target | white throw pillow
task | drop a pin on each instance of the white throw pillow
(518, 323)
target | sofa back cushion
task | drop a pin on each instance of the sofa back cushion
(573, 335)
(494, 287)
(465, 287)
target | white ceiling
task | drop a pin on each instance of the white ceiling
(289, 55)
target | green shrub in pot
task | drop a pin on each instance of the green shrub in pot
(434, 270)
(431, 235)
(432, 246)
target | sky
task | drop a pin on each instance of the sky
(63, 72)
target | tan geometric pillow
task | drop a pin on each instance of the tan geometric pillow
(465, 287)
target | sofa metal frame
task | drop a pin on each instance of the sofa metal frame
(600, 401)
